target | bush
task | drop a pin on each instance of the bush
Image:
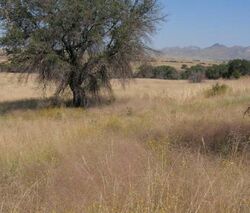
(217, 89)
(165, 72)
(216, 71)
(145, 71)
(245, 67)
(195, 74)
(196, 77)
(236, 74)
(238, 67)
(159, 72)
(184, 66)
(233, 69)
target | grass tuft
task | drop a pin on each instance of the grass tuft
(217, 90)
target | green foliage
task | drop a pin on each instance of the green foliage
(196, 77)
(236, 74)
(145, 71)
(159, 72)
(195, 74)
(216, 71)
(238, 67)
(165, 72)
(217, 89)
(233, 69)
(184, 66)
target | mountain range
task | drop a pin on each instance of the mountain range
(215, 52)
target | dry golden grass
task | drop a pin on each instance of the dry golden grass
(178, 63)
(162, 146)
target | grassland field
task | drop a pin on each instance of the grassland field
(178, 63)
(160, 146)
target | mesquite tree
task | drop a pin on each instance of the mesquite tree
(80, 44)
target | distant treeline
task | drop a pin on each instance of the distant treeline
(232, 70)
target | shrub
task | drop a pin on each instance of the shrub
(236, 74)
(233, 69)
(217, 89)
(195, 73)
(196, 77)
(145, 71)
(184, 66)
(159, 72)
(185, 75)
(238, 67)
(245, 67)
(216, 71)
(165, 72)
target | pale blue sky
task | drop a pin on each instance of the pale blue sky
(204, 22)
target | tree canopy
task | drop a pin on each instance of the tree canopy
(79, 44)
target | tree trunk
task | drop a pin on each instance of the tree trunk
(79, 96)
(75, 83)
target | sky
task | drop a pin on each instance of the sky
(203, 23)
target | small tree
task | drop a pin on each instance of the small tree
(78, 44)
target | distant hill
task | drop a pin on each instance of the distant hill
(215, 52)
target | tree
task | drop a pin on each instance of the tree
(78, 44)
